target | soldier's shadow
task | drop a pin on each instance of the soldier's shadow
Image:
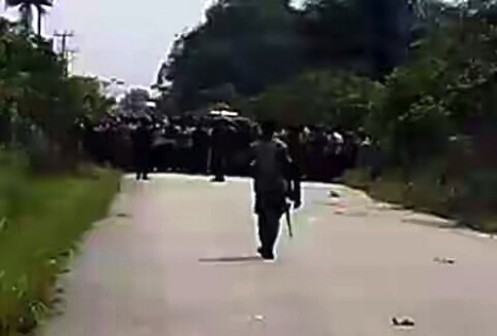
(230, 259)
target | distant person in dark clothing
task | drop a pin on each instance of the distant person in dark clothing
(200, 149)
(171, 149)
(276, 178)
(220, 147)
(370, 157)
(183, 149)
(317, 154)
(296, 147)
(142, 143)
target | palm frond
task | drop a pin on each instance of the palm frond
(13, 3)
(41, 3)
(36, 3)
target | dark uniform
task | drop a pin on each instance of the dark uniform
(142, 143)
(275, 179)
(220, 147)
(200, 150)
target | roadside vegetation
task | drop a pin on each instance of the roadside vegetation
(43, 218)
(47, 199)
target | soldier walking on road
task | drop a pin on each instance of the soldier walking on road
(276, 179)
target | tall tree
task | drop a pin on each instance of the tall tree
(250, 45)
(246, 45)
(26, 9)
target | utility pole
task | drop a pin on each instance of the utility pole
(64, 36)
(70, 58)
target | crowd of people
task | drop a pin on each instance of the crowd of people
(216, 145)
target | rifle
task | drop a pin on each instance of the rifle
(289, 219)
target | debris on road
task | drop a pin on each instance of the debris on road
(405, 322)
(333, 194)
(446, 261)
(257, 318)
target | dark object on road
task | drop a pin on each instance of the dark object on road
(404, 322)
(218, 179)
(334, 194)
(447, 261)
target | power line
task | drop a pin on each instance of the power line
(64, 36)
(64, 52)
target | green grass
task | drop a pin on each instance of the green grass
(426, 195)
(43, 219)
(489, 224)
(388, 190)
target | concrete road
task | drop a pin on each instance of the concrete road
(353, 265)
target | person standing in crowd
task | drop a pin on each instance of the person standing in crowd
(276, 179)
(182, 149)
(142, 143)
(369, 156)
(220, 146)
(200, 139)
(317, 154)
(121, 145)
(296, 147)
(337, 144)
(170, 148)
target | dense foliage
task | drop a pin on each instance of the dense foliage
(41, 215)
(26, 10)
(244, 47)
(318, 98)
(38, 102)
(318, 64)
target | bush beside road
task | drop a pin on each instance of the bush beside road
(42, 219)
(465, 203)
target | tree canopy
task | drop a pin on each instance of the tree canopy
(26, 9)
(413, 74)
(252, 44)
(35, 92)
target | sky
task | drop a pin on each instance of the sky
(115, 40)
